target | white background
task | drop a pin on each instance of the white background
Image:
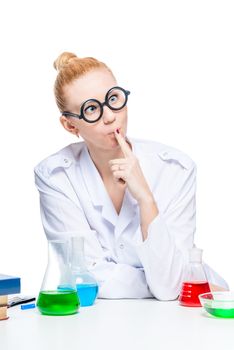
(176, 57)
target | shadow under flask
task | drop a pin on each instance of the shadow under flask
(195, 281)
(58, 291)
(86, 284)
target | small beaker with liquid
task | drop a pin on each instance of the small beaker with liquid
(195, 281)
(86, 284)
(58, 292)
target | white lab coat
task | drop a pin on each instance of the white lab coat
(74, 201)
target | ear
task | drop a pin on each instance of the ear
(69, 126)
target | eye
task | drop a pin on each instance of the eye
(90, 109)
(113, 99)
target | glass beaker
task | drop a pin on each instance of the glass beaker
(86, 284)
(195, 281)
(58, 294)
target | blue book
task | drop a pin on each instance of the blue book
(9, 285)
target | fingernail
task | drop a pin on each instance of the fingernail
(117, 130)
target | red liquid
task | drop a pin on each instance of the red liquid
(190, 291)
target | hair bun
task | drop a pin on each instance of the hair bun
(64, 59)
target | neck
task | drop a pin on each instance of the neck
(101, 159)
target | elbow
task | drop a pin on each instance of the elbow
(165, 293)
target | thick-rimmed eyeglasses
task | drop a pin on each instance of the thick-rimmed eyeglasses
(92, 110)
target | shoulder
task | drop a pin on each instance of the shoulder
(64, 158)
(163, 153)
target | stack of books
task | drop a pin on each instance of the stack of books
(8, 285)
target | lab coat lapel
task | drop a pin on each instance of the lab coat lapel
(127, 213)
(96, 188)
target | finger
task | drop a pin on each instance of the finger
(119, 174)
(119, 181)
(123, 144)
(117, 167)
(118, 161)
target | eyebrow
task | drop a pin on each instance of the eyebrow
(91, 98)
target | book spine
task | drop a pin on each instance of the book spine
(3, 307)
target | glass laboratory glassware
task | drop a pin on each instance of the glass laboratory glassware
(86, 284)
(58, 294)
(195, 281)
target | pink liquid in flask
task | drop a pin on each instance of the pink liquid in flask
(190, 292)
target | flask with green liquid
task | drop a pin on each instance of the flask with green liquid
(58, 295)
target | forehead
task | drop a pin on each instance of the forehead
(94, 84)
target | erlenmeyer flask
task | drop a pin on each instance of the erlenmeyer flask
(195, 281)
(58, 294)
(86, 284)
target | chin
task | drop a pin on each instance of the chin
(111, 144)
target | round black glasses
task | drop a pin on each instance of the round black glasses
(92, 110)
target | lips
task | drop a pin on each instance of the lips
(113, 132)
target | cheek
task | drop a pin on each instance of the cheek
(90, 132)
(125, 115)
(124, 118)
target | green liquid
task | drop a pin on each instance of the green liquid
(225, 313)
(58, 303)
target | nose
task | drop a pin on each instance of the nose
(108, 115)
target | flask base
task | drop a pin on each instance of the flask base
(190, 292)
(58, 303)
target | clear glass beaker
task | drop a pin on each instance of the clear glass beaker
(58, 294)
(86, 284)
(195, 280)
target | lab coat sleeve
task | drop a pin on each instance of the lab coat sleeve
(63, 217)
(164, 254)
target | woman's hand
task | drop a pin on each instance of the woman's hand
(127, 170)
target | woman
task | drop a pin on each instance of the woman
(132, 200)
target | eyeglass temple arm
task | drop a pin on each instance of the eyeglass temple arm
(69, 114)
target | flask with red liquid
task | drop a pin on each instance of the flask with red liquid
(195, 281)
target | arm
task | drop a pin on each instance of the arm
(128, 170)
(164, 254)
(62, 216)
(166, 236)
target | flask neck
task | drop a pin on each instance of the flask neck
(195, 255)
(195, 272)
(78, 261)
(58, 253)
(77, 254)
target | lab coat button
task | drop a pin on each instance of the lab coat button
(65, 160)
(121, 246)
(165, 154)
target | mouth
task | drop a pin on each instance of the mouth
(113, 132)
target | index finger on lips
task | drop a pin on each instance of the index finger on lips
(123, 144)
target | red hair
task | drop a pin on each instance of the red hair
(69, 68)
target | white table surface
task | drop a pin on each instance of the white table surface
(118, 324)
